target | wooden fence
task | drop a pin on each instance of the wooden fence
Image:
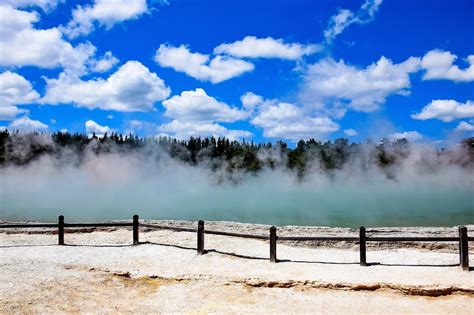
(362, 239)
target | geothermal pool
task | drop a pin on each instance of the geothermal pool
(444, 198)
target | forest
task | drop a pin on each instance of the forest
(18, 149)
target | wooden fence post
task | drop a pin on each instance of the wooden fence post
(135, 230)
(61, 230)
(362, 244)
(200, 237)
(273, 244)
(463, 249)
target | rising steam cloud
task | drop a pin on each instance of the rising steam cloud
(425, 188)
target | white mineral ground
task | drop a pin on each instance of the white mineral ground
(101, 272)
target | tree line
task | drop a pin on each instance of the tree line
(216, 153)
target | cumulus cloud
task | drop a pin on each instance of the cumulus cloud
(195, 113)
(465, 126)
(131, 88)
(344, 18)
(107, 62)
(23, 45)
(93, 127)
(200, 66)
(26, 124)
(253, 47)
(409, 135)
(250, 101)
(446, 110)
(10, 112)
(440, 65)
(197, 106)
(287, 121)
(14, 90)
(104, 13)
(183, 130)
(350, 132)
(46, 5)
(342, 86)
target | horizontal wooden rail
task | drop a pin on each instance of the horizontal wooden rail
(255, 236)
(166, 227)
(26, 226)
(318, 238)
(411, 239)
(99, 224)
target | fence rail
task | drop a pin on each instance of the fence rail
(463, 239)
(165, 227)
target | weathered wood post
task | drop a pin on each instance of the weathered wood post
(460, 255)
(463, 248)
(61, 230)
(135, 229)
(273, 244)
(362, 244)
(200, 237)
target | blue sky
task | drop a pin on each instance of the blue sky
(259, 70)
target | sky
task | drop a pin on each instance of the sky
(255, 70)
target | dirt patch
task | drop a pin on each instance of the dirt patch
(405, 290)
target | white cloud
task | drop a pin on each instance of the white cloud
(14, 90)
(250, 101)
(465, 126)
(93, 127)
(200, 66)
(287, 121)
(197, 106)
(345, 18)
(342, 86)
(26, 124)
(446, 110)
(440, 65)
(43, 4)
(197, 114)
(350, 132)
(131, 88)
(106, 13)
(23, 45)
(107, 62)
(409, 135)
(184, 130)
(253, 47)
(10, 112)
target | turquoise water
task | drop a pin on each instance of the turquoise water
(279, 205)
(117, 188)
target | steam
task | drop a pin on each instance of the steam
(423, 189)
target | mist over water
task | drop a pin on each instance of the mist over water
(422, 190)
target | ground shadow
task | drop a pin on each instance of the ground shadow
(93, 245)
(66, 245)
(316, 262)
(170, 245)
(411, 265)
(28, 245)
(232, 254)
